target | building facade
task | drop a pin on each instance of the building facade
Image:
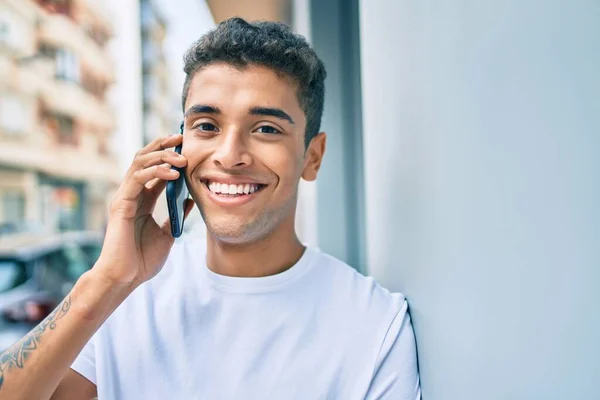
(55, 122)
(157, 96)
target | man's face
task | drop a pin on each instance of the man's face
(244, 142)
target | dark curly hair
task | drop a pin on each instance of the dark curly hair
(269, 44)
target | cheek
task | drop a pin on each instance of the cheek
(195, 155)
(286, 163)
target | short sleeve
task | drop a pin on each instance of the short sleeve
(85, 363)
(396, 374)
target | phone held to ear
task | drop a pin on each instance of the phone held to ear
(177, 193)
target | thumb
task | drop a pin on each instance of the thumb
(166, 227)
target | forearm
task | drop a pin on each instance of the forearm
(33, 367)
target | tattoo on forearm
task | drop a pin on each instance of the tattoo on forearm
(15, 355)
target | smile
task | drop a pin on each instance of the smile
(232, 189)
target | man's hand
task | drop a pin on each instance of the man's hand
(136, 247)
(134, 250)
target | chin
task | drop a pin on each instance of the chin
(233, 232)
(236, 230)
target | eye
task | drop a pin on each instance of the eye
(269, 130)
(206, 127)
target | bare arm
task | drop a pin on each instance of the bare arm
(33, 367)
(75, 387)
(135, 249)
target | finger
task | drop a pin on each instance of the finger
(161, 143)
(159, 157)
(152, 183)
(166, 228)
(156, 158)
(157, 188)
(133, 186)
(171, 141)
(152, 191)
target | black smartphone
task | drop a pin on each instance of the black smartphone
(177, 193)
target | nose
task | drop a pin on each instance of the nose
(232, 151)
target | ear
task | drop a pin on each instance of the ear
(314, 156)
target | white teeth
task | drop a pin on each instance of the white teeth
(225, 188)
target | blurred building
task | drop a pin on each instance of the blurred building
(157, 95)
(55, 123)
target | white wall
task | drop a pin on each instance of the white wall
(482, 178)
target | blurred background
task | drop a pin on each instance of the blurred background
(462, 165)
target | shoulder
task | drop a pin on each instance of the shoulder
(361, 298)
(356, 287)
(373, 324)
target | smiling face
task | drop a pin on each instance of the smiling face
(244, 142)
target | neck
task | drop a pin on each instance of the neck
(269, 256)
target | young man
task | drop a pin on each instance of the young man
(252, 313)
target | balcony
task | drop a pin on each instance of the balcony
(63, 97)
(17, 27)
(60, 31)
(71, 99)
(34, 77)
(24, 77)
(97, 10)
(60, 161)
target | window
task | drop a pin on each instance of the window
(52, 270)
(12, 274)
(66, 131)
(67, 65)
(56, 6)
(13, 204)
(149, 53)
(92, 252)
(4, 30)
(77, 262)
(13, 31)
(61, 127)
(150, 88)
(14, 114)
(91, 84)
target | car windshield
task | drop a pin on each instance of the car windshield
(76, 261)
(10, 275)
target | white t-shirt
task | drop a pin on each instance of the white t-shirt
(318, 330)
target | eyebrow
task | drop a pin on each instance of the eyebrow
(202, 109)
(268, 111)
(272, 112)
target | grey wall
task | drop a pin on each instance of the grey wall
(340, 192)
(482, 178)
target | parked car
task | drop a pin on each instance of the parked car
(36, 273)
